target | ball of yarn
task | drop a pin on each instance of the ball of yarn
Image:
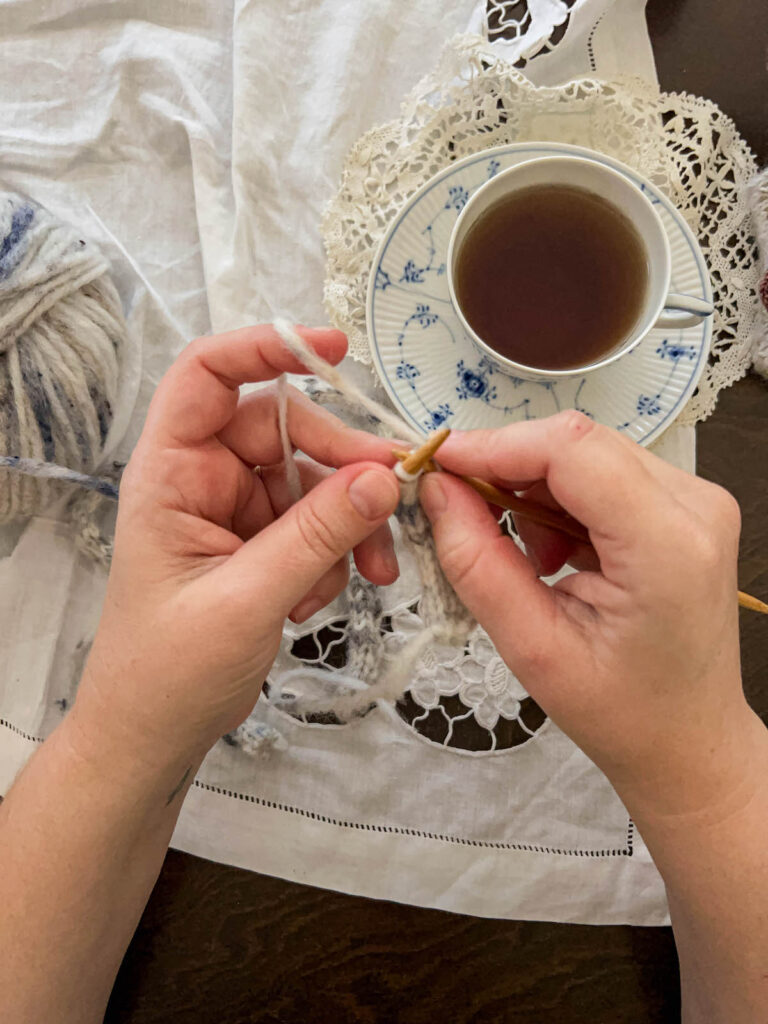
(62, 335)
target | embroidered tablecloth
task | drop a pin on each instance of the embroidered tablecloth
(198, 144)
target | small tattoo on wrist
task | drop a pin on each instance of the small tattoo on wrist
(177, 789)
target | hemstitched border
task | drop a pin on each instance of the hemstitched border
(20, 732)
(626, 851)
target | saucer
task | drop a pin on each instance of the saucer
(436, 376)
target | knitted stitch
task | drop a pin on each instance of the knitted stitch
(445, 617)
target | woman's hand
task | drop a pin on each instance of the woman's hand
(210, 557)
(637, 657)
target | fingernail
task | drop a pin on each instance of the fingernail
(432, 495)
(306, 609)
(533, 558)
(389, 558)
(374, 493)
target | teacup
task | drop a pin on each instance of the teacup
(660, 307)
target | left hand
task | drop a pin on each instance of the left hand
(210, 556)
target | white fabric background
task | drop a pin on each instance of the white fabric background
(198, 143)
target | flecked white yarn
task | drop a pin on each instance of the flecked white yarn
(61, 335)
(340, 694)
(310, 690)
(256, 738)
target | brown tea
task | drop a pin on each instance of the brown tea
(552, 276)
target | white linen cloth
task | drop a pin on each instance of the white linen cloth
(198, 143)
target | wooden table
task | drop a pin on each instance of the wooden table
(217, 944)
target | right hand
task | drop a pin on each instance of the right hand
(637, 658)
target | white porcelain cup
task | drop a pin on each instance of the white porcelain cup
(661, 308)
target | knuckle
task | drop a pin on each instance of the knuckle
(574, 425)
(318, 536)
(459, 558)
(333, 583)
(500, 448)
(705, 549)
(195, 350)
(727, 509)
(533, 659)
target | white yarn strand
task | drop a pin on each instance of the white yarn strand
(292, 476)
(331, 375)
(357, 699)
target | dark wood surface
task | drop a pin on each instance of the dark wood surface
(217, 944)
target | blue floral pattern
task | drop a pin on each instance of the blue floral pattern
(648, 406)
(676, 352)
(413, 274)
(406, 371)
(382, 281)
(438, 416)
(429, 355)
(424, 317)
(473, 382)
(458, 197)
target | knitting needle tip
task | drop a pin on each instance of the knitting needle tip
(753, 603)
(416, 460)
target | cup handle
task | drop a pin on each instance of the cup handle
(691, 311)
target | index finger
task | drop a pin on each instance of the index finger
(596, 475)
(199, 393)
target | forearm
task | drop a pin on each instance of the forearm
(714, 861)
(83, 833)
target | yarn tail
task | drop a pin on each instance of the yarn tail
(357, 700)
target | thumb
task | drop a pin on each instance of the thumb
(487, 570)
(290, 555)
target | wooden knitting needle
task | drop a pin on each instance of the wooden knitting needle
(747, 601)
(413, 462)
(532, 510)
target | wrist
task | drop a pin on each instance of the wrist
(702, 782)
(143, 719)
(119, 753)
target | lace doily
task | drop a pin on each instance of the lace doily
(474, 100)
